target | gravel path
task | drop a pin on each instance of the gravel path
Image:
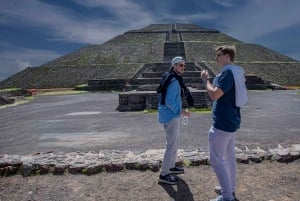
(267, 181)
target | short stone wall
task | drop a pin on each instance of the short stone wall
(137, 101)
(141, 100)
(5, 101)
(10, 97)
(112, 160)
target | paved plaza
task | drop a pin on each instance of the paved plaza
(90, 122)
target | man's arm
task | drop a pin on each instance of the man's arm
(214, 92)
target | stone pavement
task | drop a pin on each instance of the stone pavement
(90, 122)
(84, 134)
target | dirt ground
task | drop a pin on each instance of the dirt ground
(267, 181)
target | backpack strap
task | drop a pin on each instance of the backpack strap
(164, 83)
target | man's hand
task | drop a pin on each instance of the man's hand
(204, 75)
(185, 113)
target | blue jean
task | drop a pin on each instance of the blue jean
(172, 145)
(222, 158)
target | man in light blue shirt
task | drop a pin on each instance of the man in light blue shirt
(169, 110)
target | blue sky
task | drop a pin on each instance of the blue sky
(34, 32)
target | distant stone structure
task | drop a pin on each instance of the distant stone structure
(12, 96)
(136, 60)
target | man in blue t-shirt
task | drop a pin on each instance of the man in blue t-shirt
(228, 93)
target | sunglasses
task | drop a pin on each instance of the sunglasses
(181, 65)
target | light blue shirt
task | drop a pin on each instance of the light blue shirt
(173, 104)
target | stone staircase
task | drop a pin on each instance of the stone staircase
(141, 90)
(149, 78)
(255, 82)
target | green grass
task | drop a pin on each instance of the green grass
(150, 111)
(30, 98)
(81, 87)
(192, 110)
(187, 163)
(10, 89)
(63, 92)
(201, 110)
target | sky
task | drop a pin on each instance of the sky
(34, 32)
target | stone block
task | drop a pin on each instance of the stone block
(11, 170)
(255, 158)
(132, 165)
(2, 171)
(90, 170)
(116, 167)
(44, 169)
(242, 158)
(59, 169)
(154, 166)
(27, 168)
(76, 168)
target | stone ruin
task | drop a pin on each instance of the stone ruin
(133, 63)
(140, 92)
(90, 163)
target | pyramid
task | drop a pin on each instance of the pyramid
(137, 58)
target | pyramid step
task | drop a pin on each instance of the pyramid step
(153, 87)
(163, 67)
(172, 49)
(141, 81)
(159, 74)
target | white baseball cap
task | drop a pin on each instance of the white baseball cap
(176, 60)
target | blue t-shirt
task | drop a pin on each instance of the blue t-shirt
(226, 116)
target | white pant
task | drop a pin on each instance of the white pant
(172, 145)
(222, 158)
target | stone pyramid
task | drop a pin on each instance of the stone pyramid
(137, 58)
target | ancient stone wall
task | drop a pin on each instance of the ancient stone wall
(90, 163)
(141, 100)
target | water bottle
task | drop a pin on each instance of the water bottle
(185, 118)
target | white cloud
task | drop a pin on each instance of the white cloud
(127, 13)
(259, 17)
(250, 21)
(13, 61)
(61, 23)
(228, 3)
(66, 25)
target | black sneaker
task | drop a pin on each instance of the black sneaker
(218, 190)
(176, 170)
(167, 179)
